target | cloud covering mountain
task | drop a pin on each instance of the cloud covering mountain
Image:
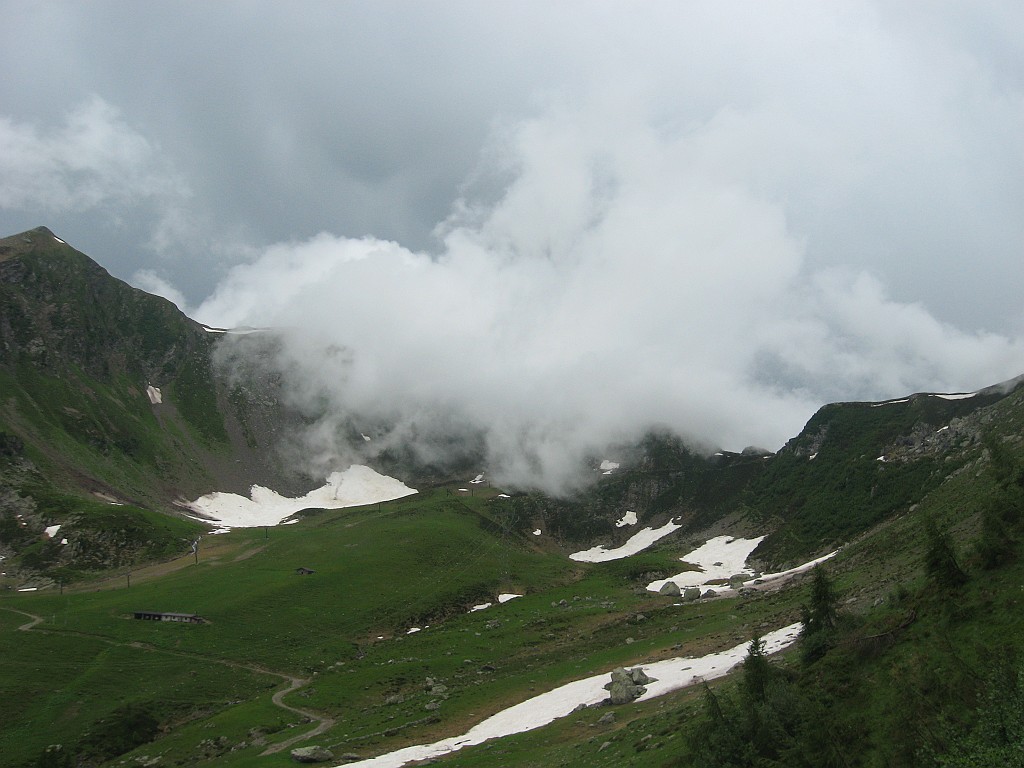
(556, 224)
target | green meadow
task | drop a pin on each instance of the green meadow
(910, 648)
(379, 571)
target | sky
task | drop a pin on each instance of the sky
(553, 224)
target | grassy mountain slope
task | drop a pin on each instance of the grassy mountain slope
(912, 673)
(79, 354)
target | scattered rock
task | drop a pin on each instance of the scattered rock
(710, 593)
(691, 593)
(606, 719)
(312, 754)
(670, 588)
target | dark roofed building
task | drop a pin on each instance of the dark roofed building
(183, 618)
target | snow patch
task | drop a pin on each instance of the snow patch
(481, 607)
(477, 479)
(154, 394)
(354, 487)
(506, 597)
(718, 558)
(723, 558)
(607, 467)
(671, 674)
(637, 543)
(956, 395)
(537, 532)
(59, 240)
(627, 519)
(50, 531)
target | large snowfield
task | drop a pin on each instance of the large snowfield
(354, 487)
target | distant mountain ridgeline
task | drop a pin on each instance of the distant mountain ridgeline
(110, 394)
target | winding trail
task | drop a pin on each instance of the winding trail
(323, 722)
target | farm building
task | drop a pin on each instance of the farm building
(185, 618)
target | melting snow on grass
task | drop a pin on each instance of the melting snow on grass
(718, 558)
(722, 558)
(671, 675)
(354, 487)
(637, 543)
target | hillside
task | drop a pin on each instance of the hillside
(109, 395)
(409, 622)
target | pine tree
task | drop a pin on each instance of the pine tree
(819, 616)
(940, 560)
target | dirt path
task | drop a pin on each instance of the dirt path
(323, 722)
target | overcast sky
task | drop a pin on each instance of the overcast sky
(530, 216)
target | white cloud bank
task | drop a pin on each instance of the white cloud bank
(626, 276)
(93, 160)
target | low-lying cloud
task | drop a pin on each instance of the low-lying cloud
(622, 280)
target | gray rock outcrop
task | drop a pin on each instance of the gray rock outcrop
(627, 685)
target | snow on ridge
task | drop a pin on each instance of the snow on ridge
(943, 395)
(243, 331)
(636, 543)
(354, 487)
